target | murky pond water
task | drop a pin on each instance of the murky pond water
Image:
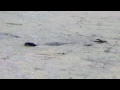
(70, 44)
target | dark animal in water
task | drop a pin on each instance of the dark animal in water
(30, 44)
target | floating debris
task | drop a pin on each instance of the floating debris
(14, 24)
(12, 35)
(30, 44)
(100, 41)
(8, 34)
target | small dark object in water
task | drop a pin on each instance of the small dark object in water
(61, 53)
(30, 44)
(100, 41)
(88, 45)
